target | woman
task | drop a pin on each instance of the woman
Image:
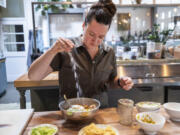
(87, 66)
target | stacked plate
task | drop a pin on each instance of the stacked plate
(148, 106)
(173, 110)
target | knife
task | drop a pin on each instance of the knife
(4, 125)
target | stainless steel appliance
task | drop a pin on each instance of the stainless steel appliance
(158, 82)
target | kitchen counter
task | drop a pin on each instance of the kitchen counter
(52, 79)
(24, 82)
(51, 83)
(145, 61)
(162, 73)
(103, 116)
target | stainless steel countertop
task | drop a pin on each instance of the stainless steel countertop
(144, 61)
(150, 72)
(172, 81)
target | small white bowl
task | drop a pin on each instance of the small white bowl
(173, 110)
(151, 129)
(44, 125)
(148, 106)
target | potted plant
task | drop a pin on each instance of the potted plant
(158, 40)
(159, 37)
(51, 7)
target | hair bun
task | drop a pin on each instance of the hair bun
(109, 5)
(103, 11)
(105, 1)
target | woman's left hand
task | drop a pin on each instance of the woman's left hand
(126, 83)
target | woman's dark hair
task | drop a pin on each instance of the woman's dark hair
(102, 11)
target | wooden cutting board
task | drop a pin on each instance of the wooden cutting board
(15, 121)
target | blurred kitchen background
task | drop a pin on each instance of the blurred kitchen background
(142, 30)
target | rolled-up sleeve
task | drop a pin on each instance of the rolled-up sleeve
(56, 63)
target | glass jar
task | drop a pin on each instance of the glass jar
(154, 50)
(119, 52)
(125, 111)
(134, 52)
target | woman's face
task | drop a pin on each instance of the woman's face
(94, 34)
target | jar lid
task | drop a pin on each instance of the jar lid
(126, 102)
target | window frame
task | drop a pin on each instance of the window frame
(13, 21)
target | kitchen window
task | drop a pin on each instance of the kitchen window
(72, 25)
(13, 39)
(3, 3)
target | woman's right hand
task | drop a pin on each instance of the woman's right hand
(62, 45)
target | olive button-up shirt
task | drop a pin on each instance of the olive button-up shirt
(78, 73)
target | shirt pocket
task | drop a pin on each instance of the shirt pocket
(104, 74)
(84, 78)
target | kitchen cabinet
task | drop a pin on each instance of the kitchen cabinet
(137, 94)
(3, 77)
(173, 93)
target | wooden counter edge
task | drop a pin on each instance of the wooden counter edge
(50, 80)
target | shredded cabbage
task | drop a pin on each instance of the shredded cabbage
(44, 130)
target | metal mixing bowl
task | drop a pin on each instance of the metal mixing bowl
(79, 116)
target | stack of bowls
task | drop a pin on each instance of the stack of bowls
(173, 110)
(148, 106)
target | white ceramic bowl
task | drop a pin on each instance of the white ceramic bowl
(151, 129)
(44, 125)
(148, 106)
(173, 110)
